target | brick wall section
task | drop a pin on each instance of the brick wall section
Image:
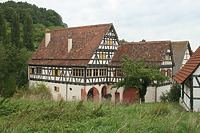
(95, 94)
(83, 95)
(129, 96)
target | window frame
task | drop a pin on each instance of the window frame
(78, 72)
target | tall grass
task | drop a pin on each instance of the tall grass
(20, 115)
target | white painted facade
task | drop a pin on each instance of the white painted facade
(153, 93)
(73, 92)
(186, 57)
(196, 92)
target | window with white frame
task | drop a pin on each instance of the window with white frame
(39, 70)
(95, 72)
(118, 73)
(78, 72)
(102, 72)
(89, 72)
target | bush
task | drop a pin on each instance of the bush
(173, 95)
(34, 93)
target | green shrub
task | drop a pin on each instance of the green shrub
(34, 93)
(173, 95)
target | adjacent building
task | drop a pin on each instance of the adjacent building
(189, 78)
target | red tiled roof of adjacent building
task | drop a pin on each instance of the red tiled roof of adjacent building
(85, 41)
(189, 67)
(154, 52)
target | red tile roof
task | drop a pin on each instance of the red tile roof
(85, 41)
(154, 52)
(189, 67)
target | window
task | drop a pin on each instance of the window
(53, 72)
(102, 56)
(56, 72)
(39, 70)
(89, 72)
(95, 72)
(169, 73)
(109, 42)
(32, 70)
(102, 72)
(166, 57)
(118, 73)
(57, 89)
(163, 72)
(78, 72)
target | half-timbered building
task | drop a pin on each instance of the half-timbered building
(156, 53)
(73, 61)
(82, 63)
(189, 78)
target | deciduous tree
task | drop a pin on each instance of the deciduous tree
(139, 74)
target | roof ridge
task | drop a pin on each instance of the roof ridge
(153, 42)
(87, 26)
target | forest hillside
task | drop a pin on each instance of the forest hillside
(22, 28)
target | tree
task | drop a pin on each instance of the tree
(28, 33)
(139, 74)
(3, 29)
(15, 31)
(122, 41)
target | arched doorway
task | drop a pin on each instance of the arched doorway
(90, 95)
(93, 94)
(103, 93)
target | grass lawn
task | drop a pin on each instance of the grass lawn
(19, 115)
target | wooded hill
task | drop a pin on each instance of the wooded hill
(22, 28)
(42, 18)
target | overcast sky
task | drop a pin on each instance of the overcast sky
(134, 20)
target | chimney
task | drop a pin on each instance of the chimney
(69, 43)
(143, 40)
(47, 37)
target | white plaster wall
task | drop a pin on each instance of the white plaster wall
(162, 89)
(62, 88)
(196, 105)
(74, 92)
(150, 95)
(196, 92)
(153, 94)
(186, 99)
(197, 72)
